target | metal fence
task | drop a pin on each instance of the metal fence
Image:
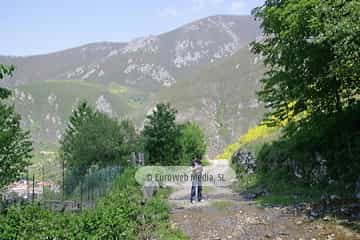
(53, 187)
(49, 184)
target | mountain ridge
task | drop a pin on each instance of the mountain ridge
(154, 60)
(208, 59)
(123, 42)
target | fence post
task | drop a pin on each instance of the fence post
(104, 184)
(81, 195)
(88, 191)
(101, 187)
(140, 159)
(27, 185)
(43, 182)
(33, 189)
(133, 158)
(63, 180)
(92, 196)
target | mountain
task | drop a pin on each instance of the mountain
(204, 68)
(149, 62)
(221, 97)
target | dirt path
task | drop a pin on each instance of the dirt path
(226, 215)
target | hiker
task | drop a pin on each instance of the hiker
(196, 184)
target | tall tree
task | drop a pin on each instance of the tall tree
(130, 141)
(161, 136)
(15, 144)
(80, 114)
(5, 71)
(95, 139)
(311, 48)
(193, 143)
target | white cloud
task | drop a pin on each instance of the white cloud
(238, 7)
(168, 12)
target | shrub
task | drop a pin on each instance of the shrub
(259, 133)
(161, 136)
(117, 216)
(318, 142)
(94, 138)
(192, 140)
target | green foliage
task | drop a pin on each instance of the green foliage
(118, 216)
(15, 144)
(340, 147)
(5, 71)
(312, 54)
(156, 222)
(257, 134)
(284, 189)
(311, 48)
(131, 140)
(100, 142)
(93, 185)
(169, 143)
(93, 138)
(161, 136)
(80, 115)
(114, 217)
(193, 143)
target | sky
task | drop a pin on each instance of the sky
(31, 27)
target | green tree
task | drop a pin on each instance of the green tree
(311, 49)
(161, 136)
(15, 144)
(79, 116)
(193, 142)
(5, 71)
(95, 139)
(131, 139)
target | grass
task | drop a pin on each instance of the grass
(68, 91)
(159, 226)
(284, 190)
(113, 88)
(166, 232)
(205, 162)
(46, 106)
(282, 187)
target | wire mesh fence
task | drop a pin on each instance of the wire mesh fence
(55, 188)
(48, 183)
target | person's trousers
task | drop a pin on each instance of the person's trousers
(196, 186)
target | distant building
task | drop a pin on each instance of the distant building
(24, 189)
